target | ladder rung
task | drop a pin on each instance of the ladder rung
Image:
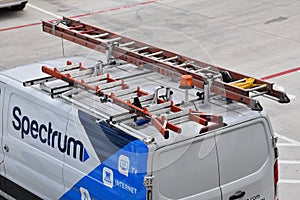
(170, 59)
(257, 88)
(155, 53)
(140, 49)
(237, 81)
(182, 65)
(127, 44)
(75, 27)
(100, 35)
(144, 54)
(114, 39)
(87, 31)
(259, 94)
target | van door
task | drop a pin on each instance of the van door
(2, 90)
(34, 147)
(187, 170)
(246, 161)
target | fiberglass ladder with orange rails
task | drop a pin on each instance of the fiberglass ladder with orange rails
(141, 107)
(221, 81)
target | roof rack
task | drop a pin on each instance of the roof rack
(232, 85)
(141, 107)
(135, 104)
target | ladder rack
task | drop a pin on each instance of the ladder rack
(142, 107)
(165, 62)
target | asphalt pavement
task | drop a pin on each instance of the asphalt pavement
(256, 37)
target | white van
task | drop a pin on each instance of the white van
(61, 141)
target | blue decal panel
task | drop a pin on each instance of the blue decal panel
(121, 174)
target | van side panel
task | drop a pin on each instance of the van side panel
(246, 160)
(2, 91)
(34, 136)
(187, 170)
(115, 167)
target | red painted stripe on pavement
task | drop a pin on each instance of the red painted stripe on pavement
(21, 26)
(281, 73)
(84, 15)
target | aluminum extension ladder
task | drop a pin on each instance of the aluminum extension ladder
(141, 107)
(165, 62)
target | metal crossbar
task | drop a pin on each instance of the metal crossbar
(160, 114)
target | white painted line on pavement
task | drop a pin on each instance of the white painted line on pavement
(44, 11)
(292, 162)
(287, 145)
(289, 181)
(295, 142)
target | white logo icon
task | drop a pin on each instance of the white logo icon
(123, 165)
(108, 177)
(85, 195)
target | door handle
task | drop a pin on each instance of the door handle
(237, 195)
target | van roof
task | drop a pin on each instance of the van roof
(232, 113)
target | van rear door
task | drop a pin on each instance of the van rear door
(246, 160)
(187, 170)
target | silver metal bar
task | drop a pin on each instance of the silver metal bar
(155, 53)
(112, 89)
(258, 94)
(124, 116)
(237, 81)
(182, 65)
(94, 79)
(155, 107)
(99, 35)
(89, 109)
(127, 44)
(161, 111)
(110, 85)
(125, 92)
(257, 88)
(113, 39)
(68, 68)
(81, 73)
(73, 91)
(140, 49)
(170, 59)
(146, 97)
